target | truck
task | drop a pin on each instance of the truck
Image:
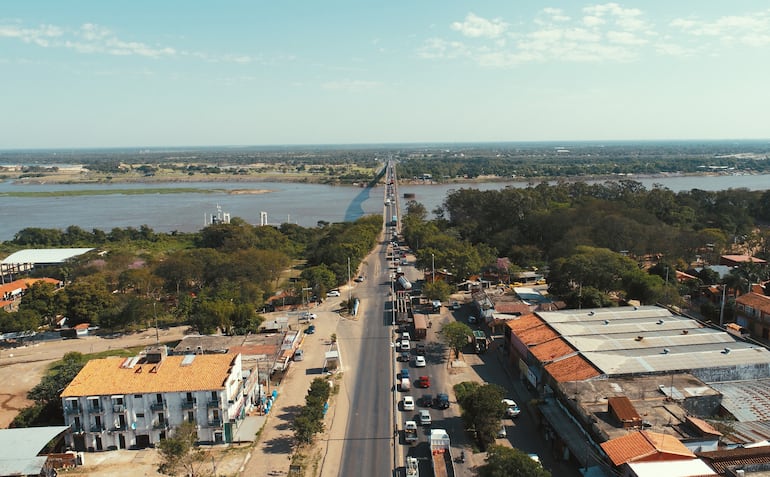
(441, 453)
(412, 467)
(394, 220)
(480, 341)
(404, 283)
(410, 432)
(420, 327)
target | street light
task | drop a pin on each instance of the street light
(433, 268)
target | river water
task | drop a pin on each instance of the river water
(304, 204)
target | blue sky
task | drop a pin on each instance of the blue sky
(167, 73)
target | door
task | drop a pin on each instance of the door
(99, 446)
(121, 441)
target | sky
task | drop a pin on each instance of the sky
(82, 74)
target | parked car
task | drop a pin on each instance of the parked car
(424, 416)
(333, 293)
(310, 330)
(404, 356)
(455, 305)
(423, 382)
(359, 278)
(308, 316)
(441, 401)
(408, 403)
(502, 432)
(419, 362)
(420, 349)
(404, 373)
(511, 408)
(405, 346)
(472, 319)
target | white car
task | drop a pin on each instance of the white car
(511, 408)
(308, 316)
(333, 293)
(405, 345)
(424, 416)
(419, 361)
(472, 319)
(502, 433)
(408, 403)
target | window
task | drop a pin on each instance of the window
(137, 396)
(140, 415)
(191, 416)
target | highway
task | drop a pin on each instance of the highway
(368, 447)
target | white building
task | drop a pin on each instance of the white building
(120, 403)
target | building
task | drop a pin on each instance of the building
(120, 403)
(25, 260)
(736, 260)
(752, 312)
(12, 292)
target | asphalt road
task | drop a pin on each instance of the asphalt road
(370, 376)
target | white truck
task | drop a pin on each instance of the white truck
(412, 467)
(441, 454)
(410, 432)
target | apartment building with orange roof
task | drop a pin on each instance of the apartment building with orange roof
(130, 403)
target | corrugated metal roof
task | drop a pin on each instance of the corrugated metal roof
(747, 432)
(44, 255)
(614, 363)
(631, 341)
(22, 446)
(746, 400)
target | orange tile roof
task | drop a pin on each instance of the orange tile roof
(25, 283)
(100, 377)
(574, 368)
(641, 445)
(754, 300)
(512, 307)
(524, 322)
(703, 426)
(743, 258)
(538, 334)
(551, 350)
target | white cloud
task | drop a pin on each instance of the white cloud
(41, 35)
(751, 30)
(475, 26)
(604, 32)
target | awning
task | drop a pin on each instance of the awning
(568, 431)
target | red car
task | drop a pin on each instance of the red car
(423, 382)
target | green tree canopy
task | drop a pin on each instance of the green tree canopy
(456, 334)
(505, 462)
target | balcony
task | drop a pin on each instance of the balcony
(215, 422)
(118, 408)
(158, 406)
(77, 429)
(95, 428)
(189, 404)
(71, 410)
(213, 403)
(160, 425)
(94, 407)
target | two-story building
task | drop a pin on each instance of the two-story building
(752, 311)
(119, 403)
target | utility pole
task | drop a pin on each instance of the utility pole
(722, 307)
(349, 291)
(433, 268)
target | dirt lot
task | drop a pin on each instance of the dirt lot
(21, 368)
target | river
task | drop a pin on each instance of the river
(303, 204)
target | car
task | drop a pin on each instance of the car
(511, 408)
(405, 346)
(424, 417)
(404, 261)
(426, 400)
(455, 305)
(423, 382)
(333, 293)
(404, 356)
(419, 362)
(472, 319)
(405, 336)
(308, 316)
(420, 349)
(502, 432)
(542, 281)
(359, 278)
(408, 403)
(404, 373)
(441, 401)
(310, 330)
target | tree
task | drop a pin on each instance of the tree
(503, 462)
(178, 453)
(456, 334)
(439, 290)
(482, 410)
